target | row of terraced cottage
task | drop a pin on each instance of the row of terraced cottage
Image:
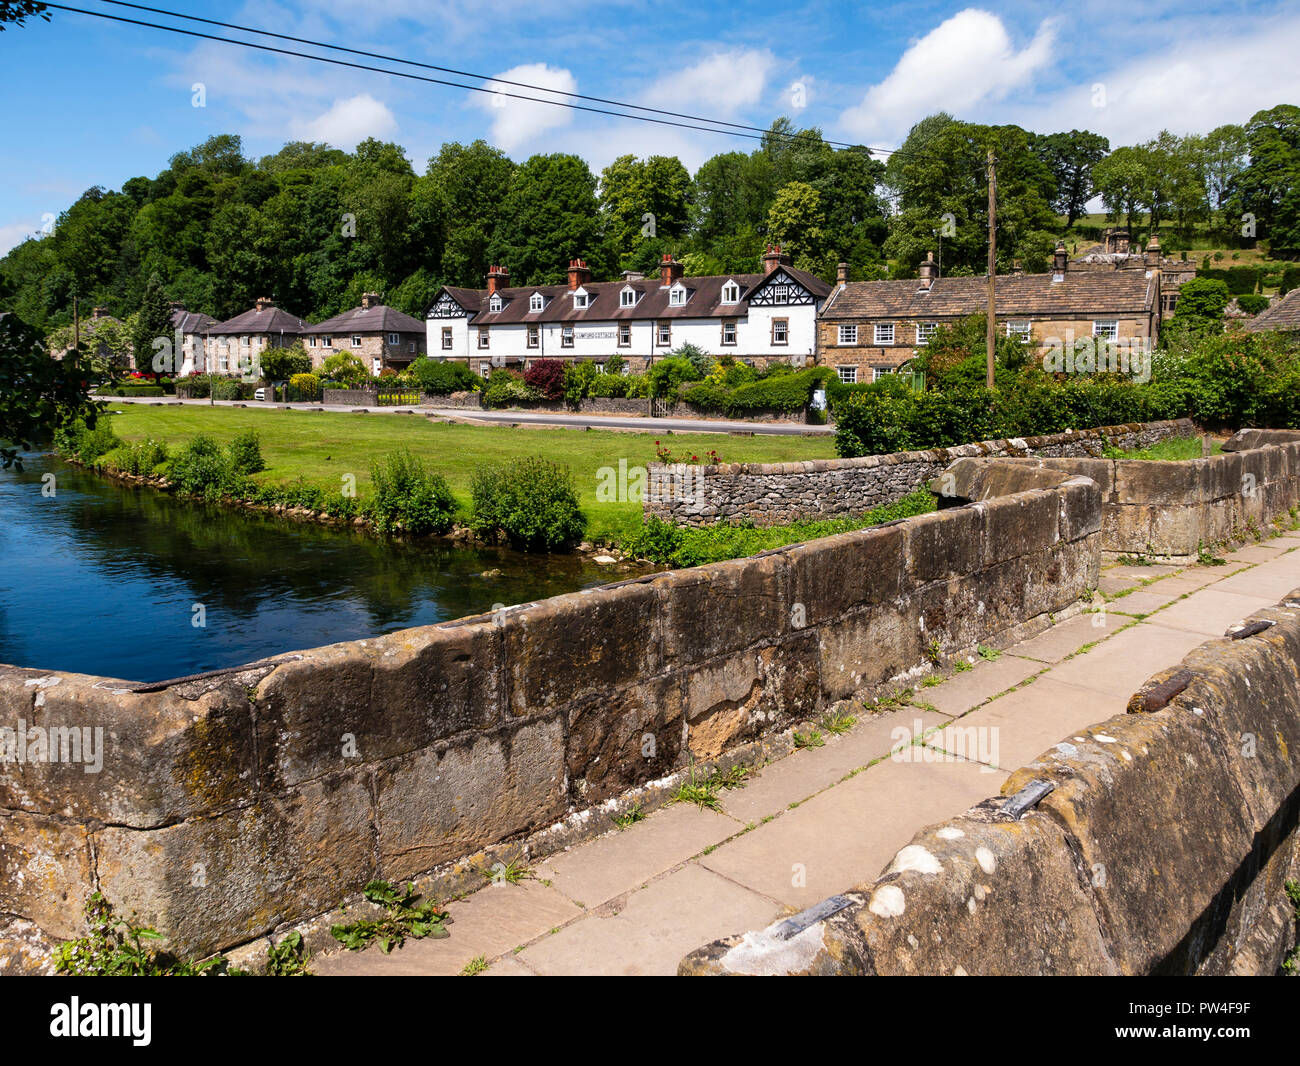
(784, 314)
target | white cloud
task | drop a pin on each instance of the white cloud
(964, 61)
(15, 233)
(348, 122)
(517, 121)
(719, 84)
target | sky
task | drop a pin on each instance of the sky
(92, 102)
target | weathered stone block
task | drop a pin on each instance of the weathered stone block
(837, 575)
(45, 871)
(716, 609)
(625, 739)
(1020, 526)
(941, 544)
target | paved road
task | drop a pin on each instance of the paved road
(511, 418)
(637, 901)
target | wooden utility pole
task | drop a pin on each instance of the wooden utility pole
(990, 338)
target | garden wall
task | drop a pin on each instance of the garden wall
(770, 494)
(231, 805)
(1173, 509)
(1163, 846)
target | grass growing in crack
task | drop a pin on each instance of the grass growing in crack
(703, 791)
(404, 915)
(510, 873)
(1206, 556)
(630, 817)
(476, 965)
(835, 723)
(812, 739)
(931, 681)
(989, 655)
(961, 666)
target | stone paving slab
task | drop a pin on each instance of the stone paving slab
(1021, 725)
(1271, 584)
(491, 922)
(1065, 638)
(599, 870)
(961, 692)
(1115, 578)
(1143, 601)
(1122, 662)
(655, 927)
(1209, 612)
(807, 772)
(846, 835)
(1259, 553)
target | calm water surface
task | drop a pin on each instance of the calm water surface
(104, 579)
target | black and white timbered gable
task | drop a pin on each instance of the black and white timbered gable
(781, 289)
(446, 306)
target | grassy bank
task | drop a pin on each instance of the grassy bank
(1176, 449)
(322, 449)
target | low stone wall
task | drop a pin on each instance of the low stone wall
(350, 397)
(776, 493)
(1162, 846)
(1169, 509)
(232, 805)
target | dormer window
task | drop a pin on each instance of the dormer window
(581, 299)
(536, 302)
(627, 298)
(677, 296)
(730, 293)
(496, 303)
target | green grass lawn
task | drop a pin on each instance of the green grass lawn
(321, 448)
(1176, 448)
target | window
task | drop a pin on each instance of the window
(446, 338)
(885, 333)
(485, 370)
(627, 298)
(243, 342)
(483, 338)
(1018, 329)
(780, 293)
(663, 334)
(1170, 300)
(495, 304)
(730, 293)
(311, 342)
(780, 331)
(581, 300)
(534, 336)
(536, 302)
(624, 335)
(1106, 329)
(924, 331)
(848, 374)
(327, 342)
(600, 368)
(677, 297)
(411, 347)
(729, 331)
(566, 336)
(878, 372)
(627, 369)
(356, 341)
(394, 340)
(848, 334)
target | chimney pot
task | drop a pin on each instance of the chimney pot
(579, 274)
(670, 270)
(264, 302)
(774, 258)
(1059, 259)
(841, 273)
(929, 270)
(498, 278)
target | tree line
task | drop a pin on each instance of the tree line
(314, 227)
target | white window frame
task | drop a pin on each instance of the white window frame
(848, 375)
(356, 340)
(730, 324)
(485, 370)
(536, 302)
(534, 339)
(625, 335)
(484, 339)
(311, 342)
(784, 340)
(883, 333)
(566, 336)
(496, 303)
(731, 293)
(627, 298)
(848, 334)
(327, 341)
(878, 372)
(677, 296)
(663, 334)
(1106, 328)
(446, 338)
(395, 339)
(1022, 328)
(924, 331)
(581, 300)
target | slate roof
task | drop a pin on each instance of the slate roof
(703, 300)
(380, 318)
(271, 320)
(1086, 293)
(192, 321)
(1283, 314)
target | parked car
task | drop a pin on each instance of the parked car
(259, 394)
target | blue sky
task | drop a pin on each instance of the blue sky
(89, 102)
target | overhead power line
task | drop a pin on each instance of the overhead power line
(731, 129)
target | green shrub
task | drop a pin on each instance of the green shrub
(504, 388)
(245, 450)
(225, 389)
(346, 368)
(638, 386)
(142, 457)
(442, 378)
(1252, 302)
(530, 502)
(669, 374)
(405, 494)
(608, 384)
(307, 386)
(578, 378)
(204, 468)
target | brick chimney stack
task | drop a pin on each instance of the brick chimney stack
(579, 273)
(98, 312)
(1153, 253)
(774, 258)
(1059, 258)
(264, 303)
(369, 300)
(670, 271)
(498, 277)
(929, 270)
(841, 273)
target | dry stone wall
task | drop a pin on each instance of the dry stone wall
(769, 494)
